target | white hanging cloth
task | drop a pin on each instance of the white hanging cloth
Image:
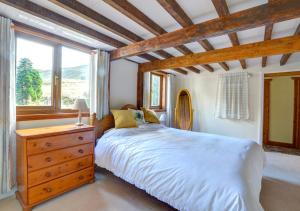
(232, 96)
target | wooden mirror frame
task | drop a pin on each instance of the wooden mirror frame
(191, 111)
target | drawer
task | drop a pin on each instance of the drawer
(51, 158)
(41, 145)
(53, 172)
(60, 185)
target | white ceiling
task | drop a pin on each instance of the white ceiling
(197, 10)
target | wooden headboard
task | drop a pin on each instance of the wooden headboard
(107, 122)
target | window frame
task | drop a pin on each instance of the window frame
(45, 112)
(162, 95)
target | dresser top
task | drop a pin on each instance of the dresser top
(53, 130)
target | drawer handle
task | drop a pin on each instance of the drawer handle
(80, 164)
(48, 190)
(81, 177)
(48, 174)
(48, 144)
(80, 151)
(48, 159)
(80, 138)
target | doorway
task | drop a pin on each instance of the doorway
(281, 131)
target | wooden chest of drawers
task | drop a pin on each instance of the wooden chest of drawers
(53, 160)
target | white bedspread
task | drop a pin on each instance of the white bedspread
(188, 170)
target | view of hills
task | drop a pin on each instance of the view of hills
(74, 85)
(76, 73)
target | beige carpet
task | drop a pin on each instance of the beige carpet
(109, 193)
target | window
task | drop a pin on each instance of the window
(157, 89)
(74, 76)
(34, 73)
(49, 76)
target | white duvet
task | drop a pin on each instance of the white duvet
(188, 170)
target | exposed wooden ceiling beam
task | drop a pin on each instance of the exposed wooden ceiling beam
(286, 57)
(148, 57)
(179, 70)
(277, 11)
(153, 58)
(222, 10)
(137, 16)
(96, 18)
(253, 50)
(174, 9)
(267, 36)
(58, 19)
(100, 20)
(185, 51)
(53, 17)
(166, 55)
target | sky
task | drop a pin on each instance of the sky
(41, 55)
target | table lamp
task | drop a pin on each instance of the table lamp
(81, 106)
(163, 118)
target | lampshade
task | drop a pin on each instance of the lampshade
(163, 117)
(80, 104)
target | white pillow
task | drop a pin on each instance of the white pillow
(138, 116)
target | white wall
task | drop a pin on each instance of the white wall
(123, 83)
(203, 88)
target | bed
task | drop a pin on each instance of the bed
(188, 170)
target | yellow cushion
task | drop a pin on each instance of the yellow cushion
(124, 119)
(150, 116)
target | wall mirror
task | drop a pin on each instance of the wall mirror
(282, 111)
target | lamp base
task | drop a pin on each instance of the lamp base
(79, 120)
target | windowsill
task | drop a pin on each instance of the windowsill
(158, 110)
(31, 117)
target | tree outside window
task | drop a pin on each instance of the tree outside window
(28, 83)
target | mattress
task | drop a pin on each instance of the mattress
(188, 170)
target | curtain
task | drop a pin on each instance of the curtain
(232, 96)
(99, 89)
(170, 100)
(7, 107)
(146, 93)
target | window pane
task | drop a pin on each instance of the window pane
(34, 73)
(155, 94)
(75, 76)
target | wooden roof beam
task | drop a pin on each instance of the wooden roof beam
(222, 10)
(276, 11)
(286, 57)
(92, 16)
(137, 16)
(267, 36)
(58, 19)
(174, 9)
(100, 20)
(253, 50)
